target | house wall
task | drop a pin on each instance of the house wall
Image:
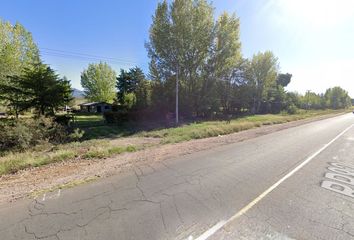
(94, 108)
(86, 108)
(106, 108)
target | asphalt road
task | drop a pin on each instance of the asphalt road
(293, 184)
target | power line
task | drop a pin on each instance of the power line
(83, 56)
(87, 55)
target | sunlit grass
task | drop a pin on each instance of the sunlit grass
(215, 128)
(104, 148)
(95, 149)
(88, 120)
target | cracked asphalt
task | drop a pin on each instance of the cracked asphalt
(183, 197)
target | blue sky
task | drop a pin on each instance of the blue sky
(313, 39)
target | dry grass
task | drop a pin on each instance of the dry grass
(15, 162)
(216, 128)
(104, 148)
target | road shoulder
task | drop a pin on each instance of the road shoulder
(31, 182)
(315, 203)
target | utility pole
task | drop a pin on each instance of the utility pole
(308, 100)
(177, 95)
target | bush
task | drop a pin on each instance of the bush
(292, 109)
(116, 117)
(77, 134)
(15, 136)
(24, 133)
(63, 119)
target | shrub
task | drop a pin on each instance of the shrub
(292, 109)
(16, 135)
(116, 117)
(77, 134)
(63, 119)
(131, 149)
(46, 129)
(21, 134)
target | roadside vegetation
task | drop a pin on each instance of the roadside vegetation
(220, 92)
(44, 154)
(217, 128)
(193, 129)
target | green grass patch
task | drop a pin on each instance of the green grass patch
(100, 152)
(106, 131)
(95, 127)
(88, 120)
(96, 149)
(215, 128)
(103, 148)
(15, 162)
(119, 150)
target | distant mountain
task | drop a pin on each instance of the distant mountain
(78, 93)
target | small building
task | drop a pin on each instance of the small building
(3, 115)
(95, 107)
(66, 108)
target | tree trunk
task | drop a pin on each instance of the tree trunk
(258, 106)
(253, 109)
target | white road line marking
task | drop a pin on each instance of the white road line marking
(221, 224)
(211, 231)
(43, 199)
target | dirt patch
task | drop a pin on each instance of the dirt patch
(135, 141)
(23, 183)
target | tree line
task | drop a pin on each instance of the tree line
(187, 45)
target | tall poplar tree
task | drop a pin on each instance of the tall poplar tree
(98, 82)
